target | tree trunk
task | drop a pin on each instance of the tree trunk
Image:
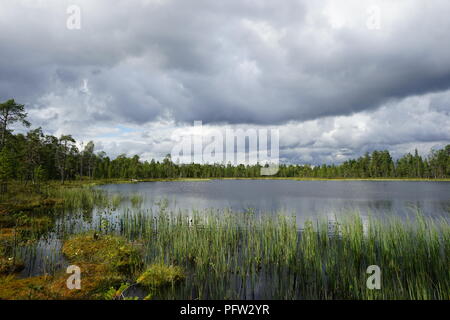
(5, 122)
(3, 187)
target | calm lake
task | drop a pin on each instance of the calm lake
(304, 199)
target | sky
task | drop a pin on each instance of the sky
(336, 78)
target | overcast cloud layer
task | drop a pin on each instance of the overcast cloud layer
(136, 70)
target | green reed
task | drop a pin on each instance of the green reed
(321, 261)
(82, 197)
(136, 200)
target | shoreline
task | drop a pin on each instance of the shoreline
(120, 181)
(23, 197)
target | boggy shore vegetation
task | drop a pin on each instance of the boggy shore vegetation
(132, 252)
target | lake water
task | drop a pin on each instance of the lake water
(304, 199)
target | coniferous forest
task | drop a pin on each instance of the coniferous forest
(36, 157)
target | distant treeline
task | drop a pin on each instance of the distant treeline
(36, 157)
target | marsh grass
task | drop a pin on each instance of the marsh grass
(81, 197)
(136, 200)
(241, 255)
(116, 200)
(270, 258)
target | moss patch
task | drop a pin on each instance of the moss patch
(159, 275)
(104, 261)
(115, 252)
(23, 228)
(95, 280)
(7, 234)
(23, 289)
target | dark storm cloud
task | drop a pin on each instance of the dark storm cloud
(237, 62)
(311, 66)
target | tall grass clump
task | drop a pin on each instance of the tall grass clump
(116, 200)
(136, 200)
(81, 197)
